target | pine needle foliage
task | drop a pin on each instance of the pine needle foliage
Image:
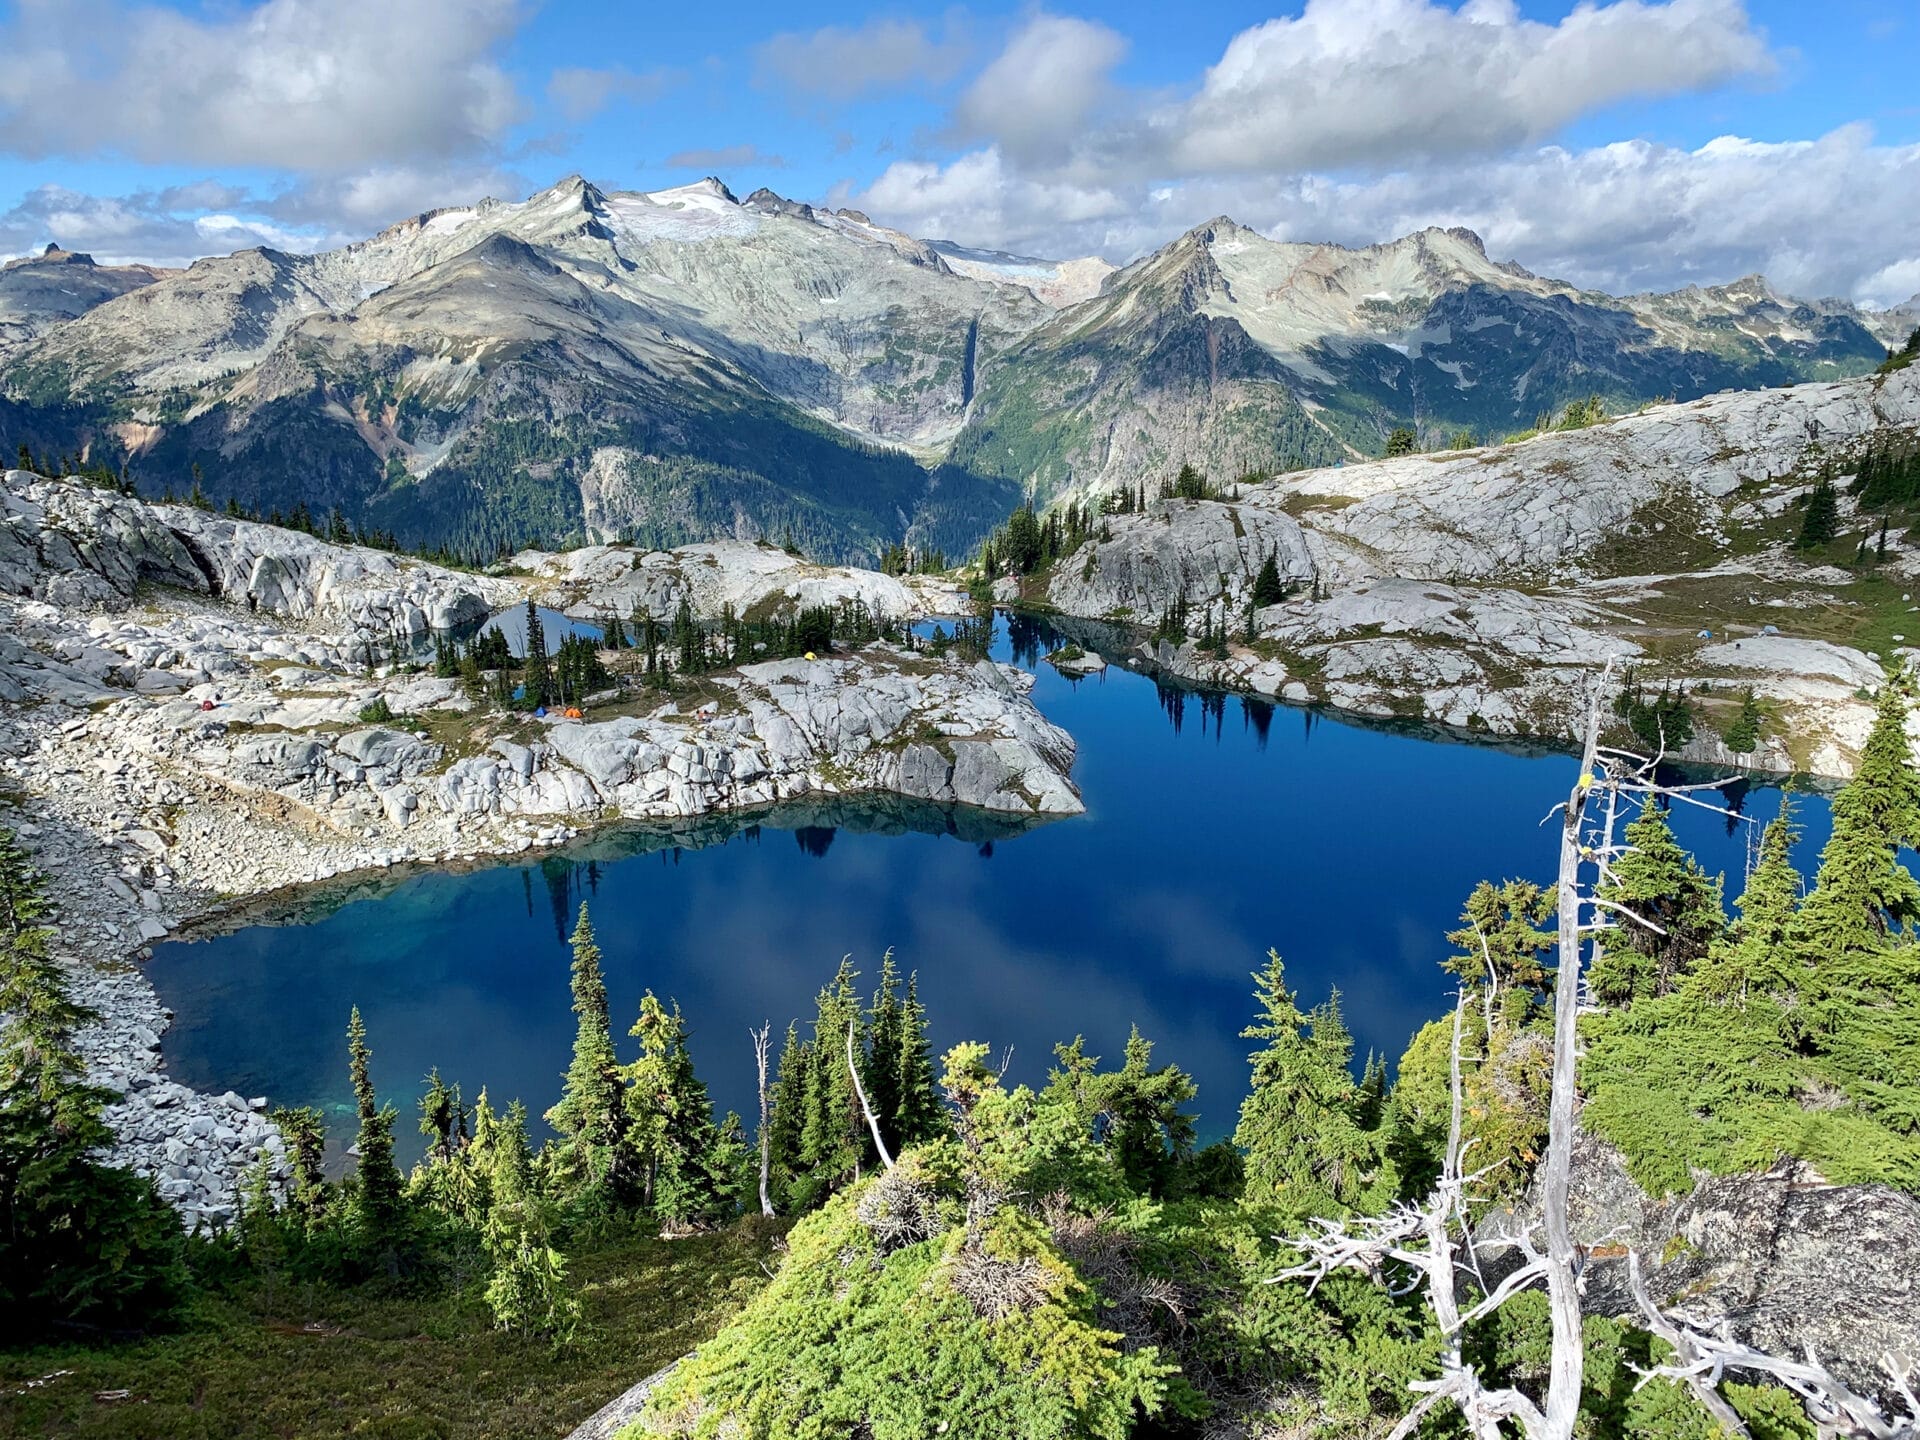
(860, 1336)
(1301, 1127)
(1799, 1032)
(590, 1116)
(1673, 916)
(80, 1242)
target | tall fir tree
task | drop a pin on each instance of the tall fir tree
(834, 1140)
(1300, 1125)
(1821, 520)
(1658, 883)
(538, 674)
(786, 1120)
(377, 1201)
(1862, 893)
(688, 1177)
(1267, 586)
(80, 1241)
(1853, 930)
(512, 1169)
(881, 1071)
(590, 1116)
(918, 1114)
(1757, 959)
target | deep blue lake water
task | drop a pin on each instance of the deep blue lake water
(1216, 828)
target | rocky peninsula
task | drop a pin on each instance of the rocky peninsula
(181, 697)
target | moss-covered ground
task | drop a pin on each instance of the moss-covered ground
(258, 1360)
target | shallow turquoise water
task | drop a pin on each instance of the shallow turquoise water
(1215, 828)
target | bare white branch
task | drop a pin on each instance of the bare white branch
(760, 1041)
(873, 1124)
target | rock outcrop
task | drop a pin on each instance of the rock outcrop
(755, 579)
(1781, 1260)
(1481, 589)
(78, 546)
(181, 703)
(1198, 550)
(1546, 508)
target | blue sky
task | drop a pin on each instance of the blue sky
(1627, 144)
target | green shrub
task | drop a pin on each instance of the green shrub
(975, 1333)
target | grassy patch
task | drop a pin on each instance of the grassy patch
(1300, 503)
(261, 1362)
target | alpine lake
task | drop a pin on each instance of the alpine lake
(1216, 827)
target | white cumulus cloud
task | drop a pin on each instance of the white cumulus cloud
(305, 85)
(841, 63)
(1041, 90)
(1368, 81)
(1623, 217)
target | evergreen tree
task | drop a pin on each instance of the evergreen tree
(1821, 522)
(80, 1241)
(689, 1176)
(1402, 441)
(377, 1188)
(1660, 883)
(1300, 1126)
(881, 1071)
(833, 1140)
(1852, 932)
(512, 1168)
(1502, 925)
(305, 1130)
(439, 1113)
(1137, 1112)
(590, 1116)
(1743, 735)
(538, 677)
(1267, 586)
(786, 1119)
(918, 1115)
(1862, 892)
(1189, 484)
(22, 905)
(1373, 1091)
(1757, 959)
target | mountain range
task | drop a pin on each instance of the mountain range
(684, 364)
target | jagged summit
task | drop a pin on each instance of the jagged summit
(52, 255)
(681, 362)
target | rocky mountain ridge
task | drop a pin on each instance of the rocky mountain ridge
(40, 291)
(683, 365)
(1484, 589)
